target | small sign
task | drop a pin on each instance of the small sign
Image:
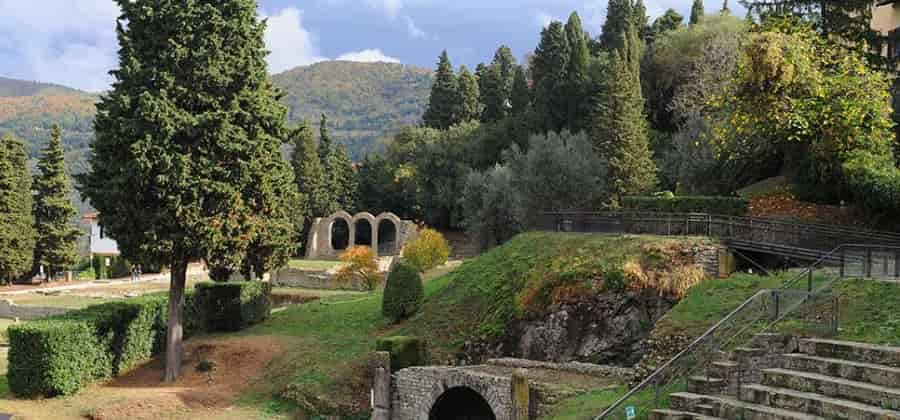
(629, 412)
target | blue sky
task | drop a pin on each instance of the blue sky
(72, 42)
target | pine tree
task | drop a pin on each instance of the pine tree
(186, 161)
(54, 214)
(470, 96)
(619, 14)
(697, 12)
(443, 104)
(348, 181)
(17, 237)
(520, 99)
(577, 100)
(548, 70)
(620, 131)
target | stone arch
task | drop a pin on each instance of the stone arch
(347, 220)
(487, 390)
(461, 402)
(364, 232)
(388, 241)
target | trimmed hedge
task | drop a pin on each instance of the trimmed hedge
(234, 305)
(405, 351)
(729, 206)
(404, 292)
(61, 354)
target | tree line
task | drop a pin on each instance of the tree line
(37, 218)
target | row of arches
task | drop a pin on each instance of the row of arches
(380, 233)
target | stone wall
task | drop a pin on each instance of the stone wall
(323, 280)
(415, 390)
(9, 310)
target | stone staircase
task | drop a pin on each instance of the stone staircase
(782, 378)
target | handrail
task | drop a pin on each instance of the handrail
(637, 388)
(695, 344)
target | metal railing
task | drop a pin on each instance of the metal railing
(794, 237)
(804, 304)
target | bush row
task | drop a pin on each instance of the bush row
(730, 206)
(875, 182)
(61, 354)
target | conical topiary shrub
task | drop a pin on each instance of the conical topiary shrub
(403, 293)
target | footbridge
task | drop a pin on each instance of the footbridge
(872, 253)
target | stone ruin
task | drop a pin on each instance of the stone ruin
(386, 233)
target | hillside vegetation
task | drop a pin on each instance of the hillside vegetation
(364, 102)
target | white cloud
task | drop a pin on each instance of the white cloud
(62, 41)
(289, 43)
(413, 30)
(368, 56)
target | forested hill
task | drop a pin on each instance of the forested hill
(363, 101)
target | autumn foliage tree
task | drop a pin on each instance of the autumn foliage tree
(360, 265)
(186, 163)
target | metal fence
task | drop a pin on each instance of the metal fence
(805, 305)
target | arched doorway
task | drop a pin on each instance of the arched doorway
(387, 237)
(461, 403)
(363, 233)
(340, 234)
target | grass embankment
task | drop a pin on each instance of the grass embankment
(474, 301)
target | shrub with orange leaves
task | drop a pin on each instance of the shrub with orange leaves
(360, 266)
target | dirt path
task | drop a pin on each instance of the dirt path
(20, 289)
(240, 364)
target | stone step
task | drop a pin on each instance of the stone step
(855, 371)
(705, 384)
(731, 408)
(884, 397)
(664, 414)
(744, 353)
(859, 352)
(815, 404)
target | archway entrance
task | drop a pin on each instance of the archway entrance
(363, 233)
(340, 235)
(461, 403)
(387, 237)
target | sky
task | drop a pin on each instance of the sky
(73, 43)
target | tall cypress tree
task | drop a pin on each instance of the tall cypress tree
(577, 100)
(309, 175)
(186, 161)
(347, 181)
(520, 99)
(619, 14)
(325, 145)
(548, 70)
(470, 98)
(697, 12)
(496, 85)
(17, 236)
(54, 214)
(641, 21)
(725, 10)
(620, 131)
(443, 104)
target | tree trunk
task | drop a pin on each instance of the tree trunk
(175, 327)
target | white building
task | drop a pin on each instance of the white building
(100, 244)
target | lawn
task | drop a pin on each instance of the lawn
(302, 264)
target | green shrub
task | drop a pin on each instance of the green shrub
(55, 357)
(405, 351)
(730, 206)
(59, 355)
(233, 306)
(875, 182)
(427, 251)
(403, 293)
